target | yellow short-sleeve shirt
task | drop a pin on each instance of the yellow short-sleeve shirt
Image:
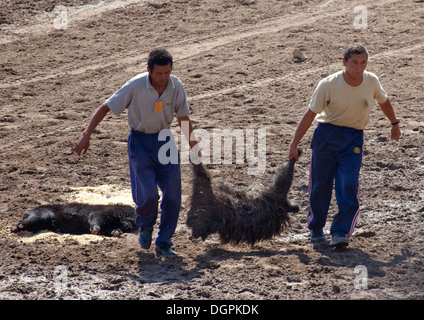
(338, 103)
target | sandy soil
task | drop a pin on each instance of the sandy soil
(235, 59)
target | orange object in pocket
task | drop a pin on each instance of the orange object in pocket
(158, 106)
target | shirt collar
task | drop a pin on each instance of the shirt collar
(170, 85)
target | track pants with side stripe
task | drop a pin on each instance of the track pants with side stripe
(336, 161)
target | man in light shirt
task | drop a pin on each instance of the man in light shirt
(152, 100)
(341, 105)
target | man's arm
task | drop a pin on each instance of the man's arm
(82, 145)
(387, 109)
(302, 128)
(187, 128)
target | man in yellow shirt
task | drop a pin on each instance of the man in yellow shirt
(341, 105)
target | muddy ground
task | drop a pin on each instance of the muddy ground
(235, 60)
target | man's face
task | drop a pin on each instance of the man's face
(160, 74)
(356, 65)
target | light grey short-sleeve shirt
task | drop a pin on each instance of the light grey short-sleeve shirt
(142, 101)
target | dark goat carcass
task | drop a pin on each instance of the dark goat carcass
(78, 218)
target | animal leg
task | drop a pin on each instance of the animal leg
(95, 230)
(17, 228)
(116, 233)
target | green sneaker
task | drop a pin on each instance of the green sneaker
(338, 241)
(317, 236)
(145, 237)
(165, 251)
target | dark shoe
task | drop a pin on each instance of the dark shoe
(317, 236)
(145, 237)
(165, 251)
(339, 241)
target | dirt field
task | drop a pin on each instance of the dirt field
(235, 60)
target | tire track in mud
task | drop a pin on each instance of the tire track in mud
(298, 76)
(193, 47)
(44, 21)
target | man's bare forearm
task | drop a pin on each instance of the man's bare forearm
(301, 130)
(98, 116)
(83, 143)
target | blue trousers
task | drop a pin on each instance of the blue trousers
(336, 161)
(147, 174)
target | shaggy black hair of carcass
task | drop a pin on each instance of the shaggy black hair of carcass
(235, 216)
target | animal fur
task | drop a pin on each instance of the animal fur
(236, 217)
(78, 218)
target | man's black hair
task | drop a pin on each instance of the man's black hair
(355, 48)
(159, 57)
